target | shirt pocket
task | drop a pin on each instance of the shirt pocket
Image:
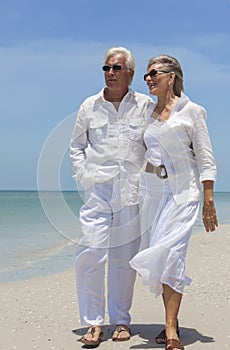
(133, 130)
(98, 131)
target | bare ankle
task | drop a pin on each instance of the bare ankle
(171, 330)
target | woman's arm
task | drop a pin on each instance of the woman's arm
(209, 211)
(203, 148)
(207, 168)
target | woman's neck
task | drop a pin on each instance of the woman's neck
(166, 100)
(164, 106)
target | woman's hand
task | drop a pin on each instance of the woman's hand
(209, 211)
(209, 216)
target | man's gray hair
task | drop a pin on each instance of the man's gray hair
(130, 60)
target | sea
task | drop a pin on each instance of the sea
(39, 231)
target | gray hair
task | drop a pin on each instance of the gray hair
(172, 65)
(130, 60)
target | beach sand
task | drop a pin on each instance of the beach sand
(42, 313)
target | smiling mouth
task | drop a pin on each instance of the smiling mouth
(152, 85)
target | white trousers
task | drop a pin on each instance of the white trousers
(110, 233)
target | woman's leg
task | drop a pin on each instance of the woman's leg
(172, 301)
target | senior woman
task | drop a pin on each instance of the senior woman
(179, 160)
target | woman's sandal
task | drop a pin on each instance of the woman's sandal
(173, 344)
(92, 331)
(161, 337)
(119, 329)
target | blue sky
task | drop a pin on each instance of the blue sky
(51, 53)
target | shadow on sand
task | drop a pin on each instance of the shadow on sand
(147, 333)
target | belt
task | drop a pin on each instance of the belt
(157, 170)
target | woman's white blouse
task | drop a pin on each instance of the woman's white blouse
(185, 149)
(153, 153)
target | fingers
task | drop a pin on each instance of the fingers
(209, 216)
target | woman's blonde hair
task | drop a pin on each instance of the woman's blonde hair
(171, 64)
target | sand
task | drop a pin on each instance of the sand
(42, 313)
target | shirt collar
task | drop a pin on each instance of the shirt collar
(183, 100)
(100, 96)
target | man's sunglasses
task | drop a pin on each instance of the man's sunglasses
(115, 67)
(153, 72)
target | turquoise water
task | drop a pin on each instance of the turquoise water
(39, 231)
(36, 240)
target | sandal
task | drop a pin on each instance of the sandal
(161, 337)
(92, 331)
(119, 329)
(173, 344)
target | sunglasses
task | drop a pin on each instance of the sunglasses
(115, 67)
(153, 72)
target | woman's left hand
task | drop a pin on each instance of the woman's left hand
(209, 215)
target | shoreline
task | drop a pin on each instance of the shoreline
(42, 313)
(42, 263)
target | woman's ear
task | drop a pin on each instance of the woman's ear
(172, 78)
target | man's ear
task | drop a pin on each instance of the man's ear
(131, 75)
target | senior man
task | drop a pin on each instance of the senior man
(107, 154)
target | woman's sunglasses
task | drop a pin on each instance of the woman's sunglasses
(153, 72)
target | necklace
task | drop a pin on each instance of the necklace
(162, 113)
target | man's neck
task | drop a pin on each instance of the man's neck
(113, 95)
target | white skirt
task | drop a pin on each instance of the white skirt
(166, 228)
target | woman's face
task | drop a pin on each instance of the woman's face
(158, 79)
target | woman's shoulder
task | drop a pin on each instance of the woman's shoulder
(192, 106)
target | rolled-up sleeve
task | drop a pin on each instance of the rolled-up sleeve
(78, 145)
(203, 148)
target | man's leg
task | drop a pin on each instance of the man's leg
(90, 266)
(124, 244)
(95, 219)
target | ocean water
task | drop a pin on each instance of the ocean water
(39, 231)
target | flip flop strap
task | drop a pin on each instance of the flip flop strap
(121, 328)
(174, 344)
(94, 329)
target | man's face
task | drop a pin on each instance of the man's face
(118, 78)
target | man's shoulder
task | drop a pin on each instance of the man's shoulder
(141, 95)
(91, 99)
(143, 99)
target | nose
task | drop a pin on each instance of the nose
(147, 78)
(111, 71)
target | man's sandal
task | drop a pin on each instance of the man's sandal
(95, 332)
(117, 335)
(173, 344)
(161, 337)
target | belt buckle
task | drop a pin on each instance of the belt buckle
(159, 171)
